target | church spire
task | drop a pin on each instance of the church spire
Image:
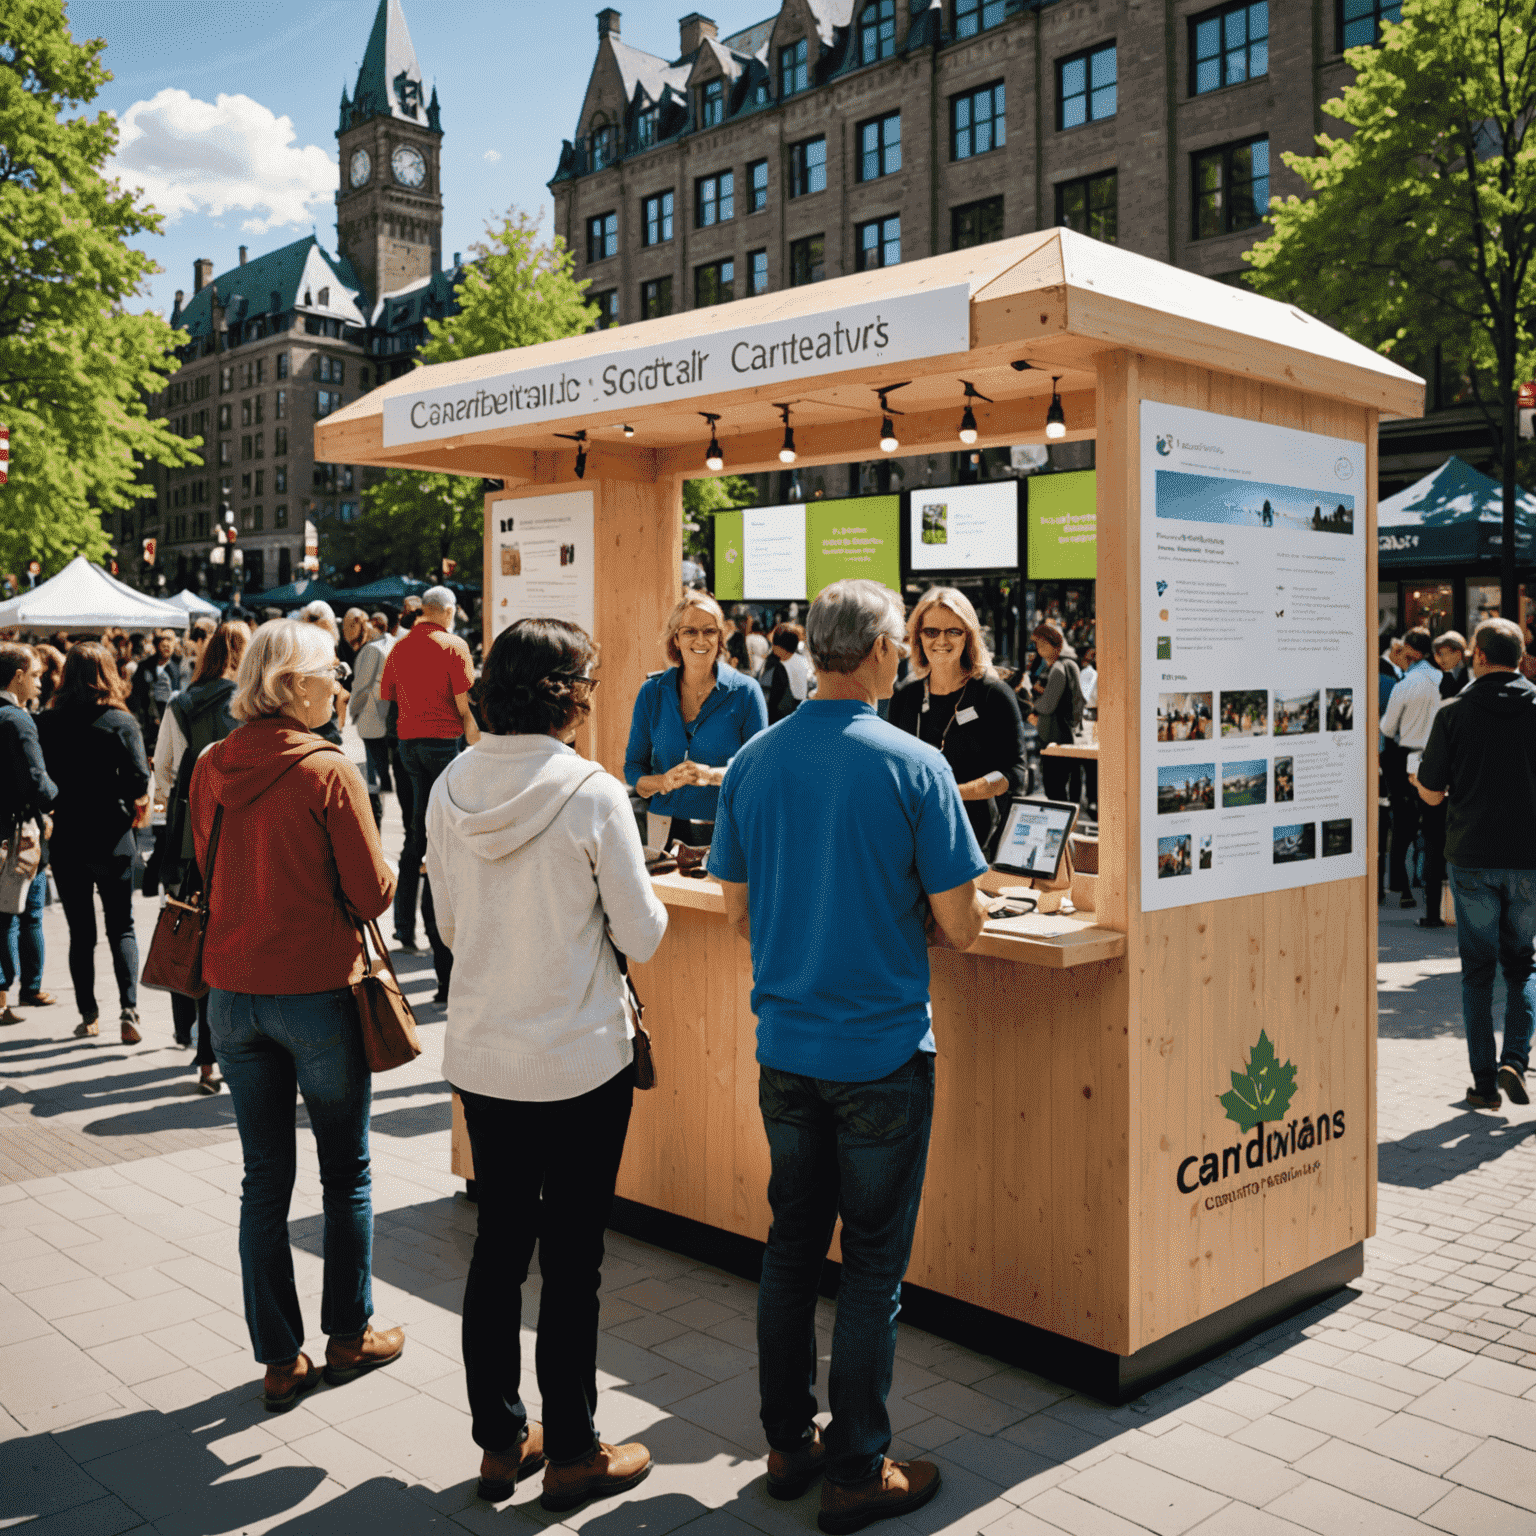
(389, 84)
(346, 112)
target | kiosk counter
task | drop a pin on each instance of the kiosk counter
(1155, 1124)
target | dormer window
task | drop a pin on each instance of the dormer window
(973, 16)
(646, 125)
(877, 31)
(325, 298)
(712, 104)
(794, 71)
(602, 146)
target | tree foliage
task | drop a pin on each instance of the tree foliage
(409, 523)
(701, 498)
(1421, 224)
(74, 366)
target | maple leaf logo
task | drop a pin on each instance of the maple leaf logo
(1264, 1091)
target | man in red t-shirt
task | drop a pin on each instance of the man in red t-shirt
(427, 677)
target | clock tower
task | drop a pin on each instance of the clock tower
(389, 210)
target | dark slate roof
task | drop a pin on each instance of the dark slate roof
(264, 285)
(429, 299)
(389, 84)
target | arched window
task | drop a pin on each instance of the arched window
(877, 31)
(602, 145)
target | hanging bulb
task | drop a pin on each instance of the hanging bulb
(968, 425)
(787, 452)
(629, 431)
(888, 443)
(714, 459)
(1055, 418)
(581, 462)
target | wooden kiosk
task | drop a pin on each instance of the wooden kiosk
(1067, 1221)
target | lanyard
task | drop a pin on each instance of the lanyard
(964, 688)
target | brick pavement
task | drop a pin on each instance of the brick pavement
(128, 1400)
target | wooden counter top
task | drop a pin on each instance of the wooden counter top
(1057, 942)
(1088, 751)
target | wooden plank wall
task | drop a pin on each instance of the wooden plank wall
(1204, 980)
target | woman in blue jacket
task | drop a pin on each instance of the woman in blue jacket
(689, 722)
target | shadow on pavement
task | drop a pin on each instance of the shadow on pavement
(1425, 1158)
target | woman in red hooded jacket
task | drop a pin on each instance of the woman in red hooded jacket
(294, 831)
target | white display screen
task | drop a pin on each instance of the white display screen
(773, 551)
(1033, 838)
(965, 527)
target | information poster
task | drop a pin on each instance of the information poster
(773, 550)
(1253, 660)
(541, 560)
(959, 528)
(1062, 522)
(857, 537)
(789, 553)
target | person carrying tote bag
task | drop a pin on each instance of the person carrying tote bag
(538, 873)
(296, 827)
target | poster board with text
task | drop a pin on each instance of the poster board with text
(541, 558)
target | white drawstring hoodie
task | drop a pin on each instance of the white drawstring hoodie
(532, 853)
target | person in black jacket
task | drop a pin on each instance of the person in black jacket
(955, 701)
(1057, 711)
(156, 679)
(95, 754)
(26, 793)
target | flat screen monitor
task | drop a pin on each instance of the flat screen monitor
(1061, 519)
(1034, 838)
(789, 553)
(958, 530)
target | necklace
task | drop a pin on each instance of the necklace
(964, 687)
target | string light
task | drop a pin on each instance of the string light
(888, 440)
(580, 439)
(1055, 418)
(968, 420)
(629, 431)
(787, 452)
(713, 459)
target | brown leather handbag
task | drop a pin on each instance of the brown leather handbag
(175, 959)
(384, 1016)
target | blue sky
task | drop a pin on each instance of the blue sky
(510, 75)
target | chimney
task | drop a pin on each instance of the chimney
(693, 29)
(179, 297)
(607, 24)
(457, 263)
(202, 273)
(242, 255)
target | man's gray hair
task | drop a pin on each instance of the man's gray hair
(439, 597)
(847, 618)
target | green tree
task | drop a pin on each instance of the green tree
(75, 367)
(1421, 223)
(701, 498)
(409, 524)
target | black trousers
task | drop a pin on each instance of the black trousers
(184, 1014)
(79, 880)
(1407, 811)
(1432, 819)
(544, 1174)
(1060, 776)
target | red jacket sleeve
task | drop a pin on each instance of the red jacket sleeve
(365, 879)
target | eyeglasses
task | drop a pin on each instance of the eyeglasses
(930, 633)
(339, 672)
(585, 687)
(690, 634)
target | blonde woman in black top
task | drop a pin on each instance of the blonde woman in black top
(954, 700)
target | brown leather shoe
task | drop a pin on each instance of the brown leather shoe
(897, 1489)
(87, 1027)
(790, 1473)
(129, 1023)
(347, 1359)
(286, 1384)
(37, 999)
(610, 1469)
(500, 1471)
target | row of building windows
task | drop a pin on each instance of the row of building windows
(1227, 46)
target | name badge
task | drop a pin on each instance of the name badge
(965, 716)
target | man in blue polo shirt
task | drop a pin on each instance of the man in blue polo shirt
(844, 851)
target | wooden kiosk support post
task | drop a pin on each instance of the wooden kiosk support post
(1156, 1129)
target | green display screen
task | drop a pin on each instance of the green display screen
(729, 566)
(1062, 525)
(853, 538)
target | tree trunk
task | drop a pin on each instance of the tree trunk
(1509, 434)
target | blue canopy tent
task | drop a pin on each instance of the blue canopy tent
(1454, 515)
(294, 595)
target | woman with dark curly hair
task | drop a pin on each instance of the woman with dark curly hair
(536, 865)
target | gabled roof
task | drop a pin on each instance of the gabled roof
(389, 84)
(830, 15)
(291, 277)
(730, 65)
(428, 297)
(752, 42)
(651, 74)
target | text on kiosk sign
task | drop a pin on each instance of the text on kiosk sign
(896, 329)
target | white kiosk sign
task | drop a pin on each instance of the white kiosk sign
(900, 329)
(1253, 658)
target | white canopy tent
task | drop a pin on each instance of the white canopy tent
(195, 605)
(83, 596)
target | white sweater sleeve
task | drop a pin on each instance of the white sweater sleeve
(170, 746)
(636, 918)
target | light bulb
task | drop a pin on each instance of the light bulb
(968, 426)
(629, 431)
(1055, 418)
(888, 443)
(787, 452)
(714, 459)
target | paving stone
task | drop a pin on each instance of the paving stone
(1280, 1438)
(1327, 1411)
(1373, 1477)
(1479, 1411)
(1502, 1469)
(1066, 1512)
(1238, 1471)
(1419, 1443)
(1494, 1374)
(987, 1415)
(1335, 1512)
(1143, 1494)
(1465, 1512)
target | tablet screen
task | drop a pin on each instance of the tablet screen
(1034, 837)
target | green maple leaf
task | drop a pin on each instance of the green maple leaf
(1264, 1091)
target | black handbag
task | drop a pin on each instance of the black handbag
(645, 1060)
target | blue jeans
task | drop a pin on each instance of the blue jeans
(859, 1151)
(1496, 927)
(21, 940)
(267, 1048)
(78, 881)
(423, 758)
(376, 750)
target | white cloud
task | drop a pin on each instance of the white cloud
(233, 155)
(493, 155)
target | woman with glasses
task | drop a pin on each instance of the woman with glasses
(954, 700)
(689, 722)
(292, 822)
(539, 875)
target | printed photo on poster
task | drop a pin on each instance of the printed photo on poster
(1205, 851)
(1244, 783)
(1285, 780)
(1295, 842)
(1186, 787)
(1338, 838)
(1245, 712)
(1246, 504)
(1172, 856)
(1298, 716)
(1341, 709)
(1184, 716)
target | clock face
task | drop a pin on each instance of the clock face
(409, 168)
(362, 168)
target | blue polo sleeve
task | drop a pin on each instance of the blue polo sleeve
(637, 755)
(947, 851)
(727, 857)
(754, 711)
